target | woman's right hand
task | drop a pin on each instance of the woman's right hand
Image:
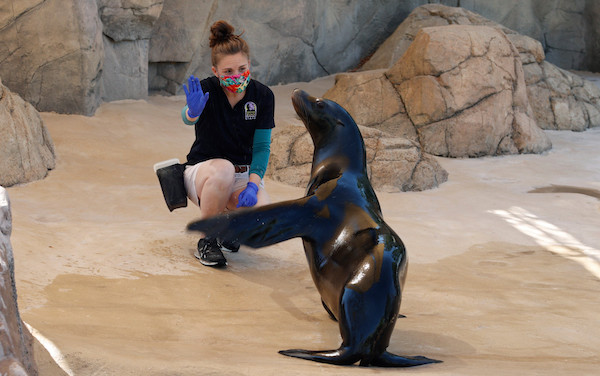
(196, 99)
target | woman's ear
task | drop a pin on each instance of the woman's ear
(214, 70)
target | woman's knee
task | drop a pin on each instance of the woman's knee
(221, 168)
(216, 175)
(218, 171)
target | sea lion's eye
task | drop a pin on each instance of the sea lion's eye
(320, 104)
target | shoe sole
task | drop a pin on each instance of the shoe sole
(208, 263)
(225, 249)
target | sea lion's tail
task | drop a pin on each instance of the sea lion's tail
(345, 356)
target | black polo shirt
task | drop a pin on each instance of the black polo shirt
(225, 132)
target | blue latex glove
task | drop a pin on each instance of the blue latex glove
(248, 196)
(196, 99)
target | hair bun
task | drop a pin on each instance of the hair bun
(220, 32)
(223, 41)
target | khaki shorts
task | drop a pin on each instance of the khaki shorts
(189, 177)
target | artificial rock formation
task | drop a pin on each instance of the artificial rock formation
(457, 90)
(127, 29)
(559, 99)
(290, 40)
(567, 30)
(393, 163)
(16, 351)
(51, 53)
(373, 102)
(117, 49)
(121, 49)
(26, 149)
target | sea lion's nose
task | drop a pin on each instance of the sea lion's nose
(299, 93)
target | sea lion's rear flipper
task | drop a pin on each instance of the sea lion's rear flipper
(345, 356)
(265, 225)
(340, 357)
(388, 359)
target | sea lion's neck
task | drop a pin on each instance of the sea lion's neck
(339, 158)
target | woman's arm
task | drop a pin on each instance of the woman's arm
(261, 150)
(185, 117)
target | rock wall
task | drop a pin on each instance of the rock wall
(51, 53)
(592, 17)
(289, 40)
(567, 29)
(117, 49)
(16, 351)
(127, 28)
(301, 40)
(26, 149)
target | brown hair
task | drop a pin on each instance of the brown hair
(223, 41)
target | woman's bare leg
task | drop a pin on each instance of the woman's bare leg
(262, 199)
(214, 183)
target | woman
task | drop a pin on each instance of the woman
(233, 117)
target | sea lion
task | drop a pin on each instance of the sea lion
(358, 263)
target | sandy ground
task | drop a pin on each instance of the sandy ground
(501, 281)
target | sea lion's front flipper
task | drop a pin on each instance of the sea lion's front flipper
(265, 225)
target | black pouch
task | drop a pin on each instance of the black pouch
(171, 182)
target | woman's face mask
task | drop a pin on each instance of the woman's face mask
(236, 83)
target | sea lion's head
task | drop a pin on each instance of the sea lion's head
(324, 119)
(338, 143)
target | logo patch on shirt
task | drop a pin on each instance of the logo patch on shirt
(250, 111)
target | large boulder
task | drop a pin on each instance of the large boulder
(26, 149)
(51, 53)
(461, 89)
(16, 343)
(394, 164)
(373, 102)
(559, 99)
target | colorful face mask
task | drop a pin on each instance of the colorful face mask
(237, 83)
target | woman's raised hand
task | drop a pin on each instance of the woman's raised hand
(196, 99)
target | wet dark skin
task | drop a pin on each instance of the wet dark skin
(357, 262)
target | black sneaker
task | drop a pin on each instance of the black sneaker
(209, 253)
(227, 246)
